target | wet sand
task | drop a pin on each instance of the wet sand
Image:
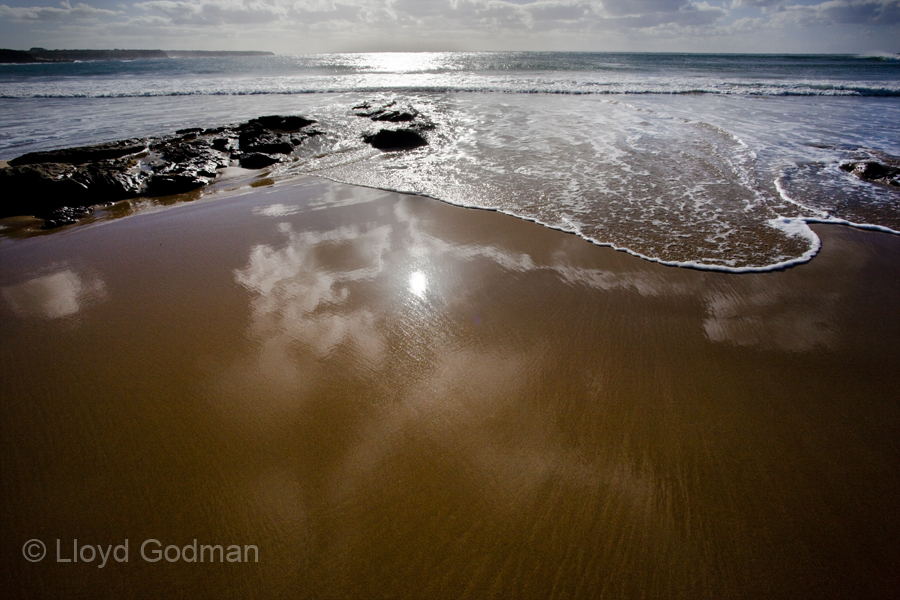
(396, 398)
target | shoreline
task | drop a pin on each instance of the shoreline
(193, 156)
(26, 223)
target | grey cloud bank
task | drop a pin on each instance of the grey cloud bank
(307, 26)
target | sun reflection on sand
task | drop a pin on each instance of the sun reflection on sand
(418, 283)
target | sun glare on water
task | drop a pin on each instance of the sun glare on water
(402, 62)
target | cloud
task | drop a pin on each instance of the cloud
(365, 25)
(833, 12)
(846, 12)
(687, 14)
(560, 11)
(756, 3)
(52, 13)
(643, 7)
(746, 24)
(468, 16)
(215, 12)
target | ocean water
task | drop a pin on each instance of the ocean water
(708, 161)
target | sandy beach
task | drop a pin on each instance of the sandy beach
(392, 397)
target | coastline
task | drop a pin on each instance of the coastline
(387, 392)
(757, 226)
(191, 158)
(45, 56)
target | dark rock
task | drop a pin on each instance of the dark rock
(423, 125)
(175, 183)
(65, 215)
(870, 170)
(184, 166)
(109, 182)
(368, 108)
(172, 140)
(268, 143)
(397, 116)
(257, 160)
(82, 154)
(198, 156)
(386, 112)
(282, 124)
(256, 138)
(223, 144)
(59, 185)
(37, 189)
(396, 139)
(194, 168)
(33, 189)
(58, 222)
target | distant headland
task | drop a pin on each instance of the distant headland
(42, 55)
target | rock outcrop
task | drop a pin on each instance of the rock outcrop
(65, 215)
(411, 135)
(389, 112)
(39, 189)
(871, 170)
(258, 160)
(395, 139)
(83, 154)
(184, 164)
(60, 186)
(274, 134)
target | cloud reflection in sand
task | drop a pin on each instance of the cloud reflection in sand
(61, 293)
(771, 317)
(301, 290)
(305, 292)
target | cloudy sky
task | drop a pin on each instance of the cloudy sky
(310, 26)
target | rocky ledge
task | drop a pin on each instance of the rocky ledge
(874, 171)
(406, 138)
(60, 186)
